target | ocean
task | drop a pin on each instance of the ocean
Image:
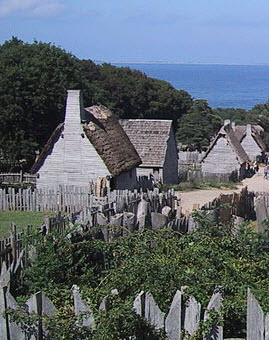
(238, 86)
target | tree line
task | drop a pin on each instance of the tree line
(34, 78)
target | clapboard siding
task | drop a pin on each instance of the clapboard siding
(170, 168)
(144, 171)
(251, 147)
(221, 159)
(73, 160)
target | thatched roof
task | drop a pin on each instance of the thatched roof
(256, 130)
(110, 141)
(149, 138)
(108, 138)
(227, 132)
(47, 150)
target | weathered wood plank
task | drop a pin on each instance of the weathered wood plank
(255, 319)
(173, 319)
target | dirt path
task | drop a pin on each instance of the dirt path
(194, 199)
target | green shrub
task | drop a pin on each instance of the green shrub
(157, 261)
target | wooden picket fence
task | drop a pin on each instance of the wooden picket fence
(70, 199)
(182, 319)
(131, 212)
(11, 248)
(18, 177)
(119, 208)
(144, 305)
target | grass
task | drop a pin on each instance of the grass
(21, 219)
(196, 185)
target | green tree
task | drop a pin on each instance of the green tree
(131, 94)
(33, 83)
(238, 116)
(198, 126)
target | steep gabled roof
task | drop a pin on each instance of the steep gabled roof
(149, 137)
(106, 135)
(110, 141)
(256, 130)
(228, 133)
(47, 150)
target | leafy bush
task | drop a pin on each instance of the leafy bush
(157, 261)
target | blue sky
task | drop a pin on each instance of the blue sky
(206, 31)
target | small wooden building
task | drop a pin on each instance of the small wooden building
(250, 138)
(90, 146)
(225, 155)
(155, 142)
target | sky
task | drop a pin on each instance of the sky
(188, 31)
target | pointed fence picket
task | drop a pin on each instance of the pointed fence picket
(119, 208)
(71, 199)
(181, 317)
(144, 305)
(257, 322)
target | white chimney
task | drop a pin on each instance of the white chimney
(248, 132)
(227, 122)
(74, 106)
(233, 125)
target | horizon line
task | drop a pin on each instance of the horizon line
(180, 63)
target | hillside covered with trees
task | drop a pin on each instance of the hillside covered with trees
(33, 83)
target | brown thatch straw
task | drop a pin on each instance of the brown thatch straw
(110, 141)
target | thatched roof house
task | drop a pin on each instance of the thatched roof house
(155, 142)
(250, 138)
(90, 146)
(225, 154)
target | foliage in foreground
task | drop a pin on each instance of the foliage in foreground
(156, 261)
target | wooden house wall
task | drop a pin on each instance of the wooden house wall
(251, 147)
(221, 159)
(170, 168)
(127, 180)
(74, 160)
(141, 171)
(156, 172)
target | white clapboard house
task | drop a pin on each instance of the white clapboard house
(90, 146)
(225, 155)
(250, 138)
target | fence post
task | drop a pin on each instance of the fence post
(192, 316)
(47, 224)
(216, 332)
(255, 319)
(13, 239)
(173, 319)
(21, 176)
(3, 321)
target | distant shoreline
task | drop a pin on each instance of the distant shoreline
(176, 63)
